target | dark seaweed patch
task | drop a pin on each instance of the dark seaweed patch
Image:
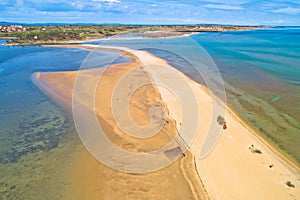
(39, 133)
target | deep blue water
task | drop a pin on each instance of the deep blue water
(18, 63)
(16, 66)
(18, 94)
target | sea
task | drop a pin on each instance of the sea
(260, 70)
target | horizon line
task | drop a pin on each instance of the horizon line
(137, 24)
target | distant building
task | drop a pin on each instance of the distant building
(13, 28)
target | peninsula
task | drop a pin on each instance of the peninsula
(241, 166)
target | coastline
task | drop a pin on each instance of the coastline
(284, 156)
(229, 112)
(124, 51)
(92, 39)
(179, 180)
(74, 42)
(278, 156)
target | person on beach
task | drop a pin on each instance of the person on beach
(224, 125)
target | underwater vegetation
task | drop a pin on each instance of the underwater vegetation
(34, 155)
(37, 133)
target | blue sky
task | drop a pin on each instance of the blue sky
(252, 12)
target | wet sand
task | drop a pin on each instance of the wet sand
(231, 171)
(93, 180)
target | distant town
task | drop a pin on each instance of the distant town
(12, 28)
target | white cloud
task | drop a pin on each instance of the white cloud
(280, 21)
(230, 2)
(223, 7)
(2, 3)
(287, 10)
(77, 5)
(108, 1)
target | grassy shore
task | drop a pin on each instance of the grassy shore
(38, 35)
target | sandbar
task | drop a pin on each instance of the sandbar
(240, 166)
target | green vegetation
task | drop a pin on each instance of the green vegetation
(56, 34)
(269, 121)
(33, 135)
(35, 155)
(35, 35)
(220, 120)
(290, 184)
(254, 150)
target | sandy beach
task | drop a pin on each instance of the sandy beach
(93, 180)
(241, 166)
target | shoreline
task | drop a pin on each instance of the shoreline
(162, 34)
(179, 174)
(235, 116)
(74, 42)
(280, 153)
(270, 145)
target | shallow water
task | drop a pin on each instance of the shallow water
(36, 136)
(261, 73)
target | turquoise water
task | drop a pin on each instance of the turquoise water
(262, 79)
(239, 54)
(261, 70)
